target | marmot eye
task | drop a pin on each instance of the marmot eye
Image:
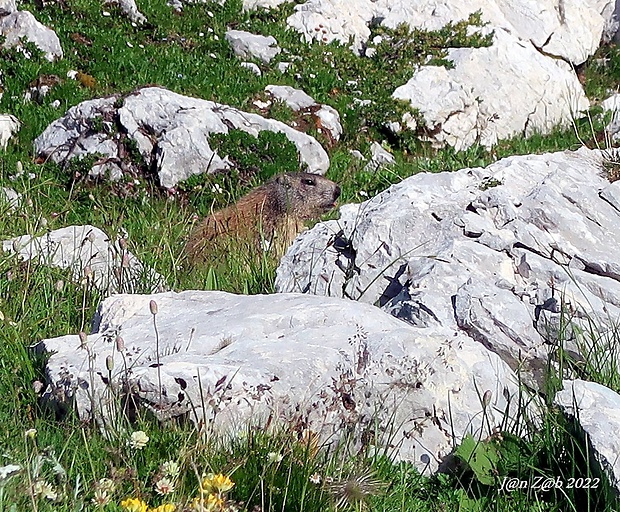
(308, 181)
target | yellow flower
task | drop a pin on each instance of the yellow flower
(216, 484)
(134, 505)
(211, 503)
(164, 508)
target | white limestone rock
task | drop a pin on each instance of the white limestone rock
(171, 132)
(247, 45)
(130, 9)
(9, 125)
(480, 251)
(7, 7)
(327, 118)
(336, 20)
(331, 364)
(10, 200)
(23, 25)
(523, 92)
(90, 254)
(295, 99)
(612, 104)
(571, 31)
(597, 410)
(252, 67)
(379, 158)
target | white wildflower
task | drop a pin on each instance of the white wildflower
(138, 440)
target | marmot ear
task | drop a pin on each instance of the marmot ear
(282, 179)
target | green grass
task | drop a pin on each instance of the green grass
(278, 470)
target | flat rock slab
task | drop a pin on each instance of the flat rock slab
(332, 365)
(90, 254)
(171, 133)
(597, 409)
(497, 253)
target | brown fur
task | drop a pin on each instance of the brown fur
(276, 209)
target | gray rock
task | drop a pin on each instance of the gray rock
(90, 255)
(7, 7)
(333, 365)
(171, 132)
(379, 158)
(247, 45)
(9, 200)
(328, 119)
(596, 409)
(295, 99)
(480, 251)
(529, 81)
(23, 25)
(612, 104)
(130, 9)
(528, 93)
(252, 67)
(9, 125)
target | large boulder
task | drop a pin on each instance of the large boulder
(170, 131)
(502, 254)
(494, 93)
(330, 366)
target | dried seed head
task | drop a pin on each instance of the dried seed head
(354, 491)
(120, 343)
(486, 398)
(109, 363)
(153, 307)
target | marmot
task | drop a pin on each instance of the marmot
(275, 210)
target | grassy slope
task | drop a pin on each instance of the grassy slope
(187, 53)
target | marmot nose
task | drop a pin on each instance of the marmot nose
(336, 192)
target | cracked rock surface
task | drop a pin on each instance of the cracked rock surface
(496, 253)
(529, 81)
(171, 132)
(330, 366)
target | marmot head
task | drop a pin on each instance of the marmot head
(306, 195)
